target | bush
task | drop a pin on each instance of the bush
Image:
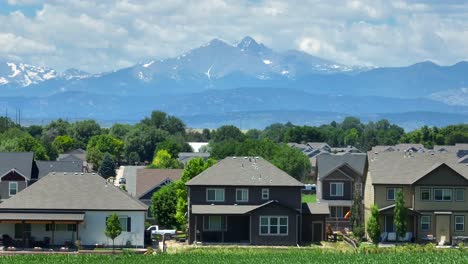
(358, 232)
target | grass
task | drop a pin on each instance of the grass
(254, 255)
(309, 198)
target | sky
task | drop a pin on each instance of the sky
(106, 35)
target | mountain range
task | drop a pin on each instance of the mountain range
(211, 84)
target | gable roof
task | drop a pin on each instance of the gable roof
(148, 179)
(320, 208)
(319, 145)
(22, 162)
(327, 162)
(244, 171)
(403, 168)
(463, 159)
(61, 191)
(46, 167)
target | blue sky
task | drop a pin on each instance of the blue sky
(108, 34)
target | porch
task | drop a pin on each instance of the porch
(388, 227)
(40, 230)
(222, 229)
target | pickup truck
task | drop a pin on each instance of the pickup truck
(156, 231)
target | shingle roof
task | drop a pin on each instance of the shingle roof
(319, 145)
(223, 209)
(25, 216)
(73, 192)
(316, 208)
(148, 179)
(327, 162)
(186, 156)
(20, 161)
(244, 171)
(403, 168)
(46, 167)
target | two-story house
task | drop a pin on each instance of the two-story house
(249, 200)
(339, 176)
(17, 171)
(434, 187)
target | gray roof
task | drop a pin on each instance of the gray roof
(73, 192)
(404, 168)
(186, 156)
(46, 167)
(130, 175)
(20, 161)
(244, 171)
(463, 159)
(316, 208)
(223, 209)
(327, 162)
(319, 145)
(41, 216)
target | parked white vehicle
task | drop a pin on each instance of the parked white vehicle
(156, 231)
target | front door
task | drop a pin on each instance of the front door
(317, 231)
(443, 228)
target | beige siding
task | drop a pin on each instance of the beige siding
(440, 205)
(368, 196)
(381, 195)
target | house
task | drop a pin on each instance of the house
(18, 170)
(46, 167)
(460, 149)
(185, 157)
(434, 187)
(78, 155)
(339, 177)
(149, 181)
(129, 173)
(61, 208)
(249, 200)
(406, 147)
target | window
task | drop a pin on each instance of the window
(425, 222)
(242, 195)
(338, 211)
(336, 189)
(215, 195)
(273, 225)
(392, 193)
(125, 223)
(425, 194)
(60, 227)
(443, 195)
(460, 223)
(459, 195)
(265, 194)
(214, 223)
(22, 230)
(12, 188)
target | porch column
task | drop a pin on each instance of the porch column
(195, 228)
(250, 229)
(78, 231)
(23, 228)
(53, 233)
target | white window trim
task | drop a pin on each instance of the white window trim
(443, 189)
(395, 192)
(336, 194)
(243, 190)
(430, 194)
(267, 192)
(428, 222)
(215, 189)
(9, 188)
(456, 198)
(207, 218)
(462, 223)
(278, 225)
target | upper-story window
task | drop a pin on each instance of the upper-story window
(459, 195)
(425, 194)
(392, 193)
(242, 195)
(12, 188)
(444, 195)
(265, 194)
(336, 189)
(215, 195)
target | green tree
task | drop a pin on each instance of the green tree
(120, 130)
(113, 228)
(99, 145)
(174, 145)
(163, 206)
(164, 160)
(357, 214)
(373, 225)
(56, 128)
(143, 141)
(193, 168)
(82, 131)
(351, 137)
(63, 143)
(293, 162)
(107, 166)
(400, 215)
(227, 133)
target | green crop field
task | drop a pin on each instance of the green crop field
(252, 255)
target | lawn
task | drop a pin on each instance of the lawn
(309, 198)
(252, 255)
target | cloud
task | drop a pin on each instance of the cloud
(103, 35)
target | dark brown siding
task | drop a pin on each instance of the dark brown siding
(346, 192)
(307, 226)
(442, 176)
(288, 196)
(13, 176)
(276, 210)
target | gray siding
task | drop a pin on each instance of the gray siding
(4, 192)
(307, 220)
(288, 196)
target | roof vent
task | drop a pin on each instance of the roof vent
(64, 173)
(82, 173)
(235, 204)
(234, 157)
(53, 173)
(76, 173)
(245, 157)
(93, 173)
